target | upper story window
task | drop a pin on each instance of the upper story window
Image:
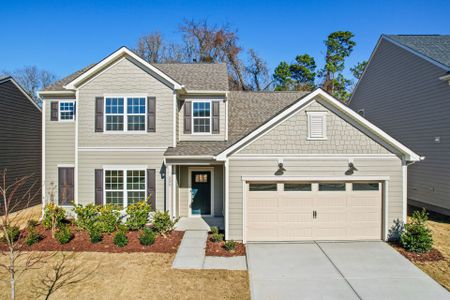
(66, 110)
(125, 113)
(317, 125)
(201, 117)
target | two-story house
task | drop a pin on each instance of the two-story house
(274, 166)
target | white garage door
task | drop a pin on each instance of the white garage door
(295, 211)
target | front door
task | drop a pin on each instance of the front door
(201, 193)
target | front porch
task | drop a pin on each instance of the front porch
(196, 223)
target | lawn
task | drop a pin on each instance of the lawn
(439, 271)
(135, 276)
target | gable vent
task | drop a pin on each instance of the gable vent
(317, 125)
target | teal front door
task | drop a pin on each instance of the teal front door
(201, 193)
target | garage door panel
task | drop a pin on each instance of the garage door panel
(262, 217)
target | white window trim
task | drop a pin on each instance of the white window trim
(210, 117)
(74, 111)
(322, 114)
(125, 114)
(124, 190)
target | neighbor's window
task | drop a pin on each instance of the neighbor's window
(66, 110)
(297, 187)
(124, 187)
(201, 118)
(120, 119)
(317, 125)
(366, 186)
(331, 186)
(262, 187)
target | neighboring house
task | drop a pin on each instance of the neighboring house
(20, 144)
(275, 166)
(405, 90)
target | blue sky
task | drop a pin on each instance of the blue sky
(64, 36)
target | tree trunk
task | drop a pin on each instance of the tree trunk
(12, 275)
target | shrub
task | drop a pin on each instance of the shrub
(162, 223)
(417, 236)
(396, 230)
(120, 239)
(12, 232)
(63, 235)
(86, 215)
(95, 234)
(147, 237)
(230, 245)
(216, 237)
(32, 236)
(214, 229)
(32, 223)
(53, 217)
(137, 215)
(109, 218)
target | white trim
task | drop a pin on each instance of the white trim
(210, 169)
(204, 92)
(174, 191)
(20, 88)
(193, 101)
(410, 155)
(125, 113)
(60, 101)
(244, 211)
(174, 121)
(226, 117)
(227, 199)
(404, 191)
(52, 93)
(314, 178)
(190, 157)
(77, 94)
(120, 149)
(302, 156)
(65, 165)
(323, 115)
(386, 208)
(116, 55)
(168, 189)
(43, 185)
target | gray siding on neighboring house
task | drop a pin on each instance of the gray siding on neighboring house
(401, 93)
(290, 137)
(20, 143)
(391, 167)
(122, 78)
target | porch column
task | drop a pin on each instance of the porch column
(174, 191)
(168, 189)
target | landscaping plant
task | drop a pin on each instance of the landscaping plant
(120, 239)
(230, 245)
(13, 232)
(147, 237)
(137, 215)
(217, 237)
(214, 229)
(109, 218)
(417, 236)
(32, 235)
(86, 215)
(53, 217)
(95, 234)
(162, 223)
(63, 235)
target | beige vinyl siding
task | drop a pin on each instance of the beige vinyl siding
(202, 137)
(59, 149)
(401, 93)
(89, 161)
(122, 78)
(183, 189)
(291, 137)
(310, 167)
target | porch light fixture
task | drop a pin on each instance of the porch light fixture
(281, 169)
(351, 169)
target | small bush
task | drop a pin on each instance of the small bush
(32, 223)
(396, 230)
(162, 223)
(230, 245)
(120, 239)
(13, 233)
(32, 236)
(109, 218)
(53, 217)
(147, 237)
(417, 236)
(214, 229)
(95, 235)
(86, 215)
(216, 237)
(63, 235)
(137, 215)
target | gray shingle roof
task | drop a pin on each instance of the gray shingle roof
(194, 76)
(436, 47)
(247, 112)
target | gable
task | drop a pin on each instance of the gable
(291, 137)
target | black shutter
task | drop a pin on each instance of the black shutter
(187, 117)
(151, 114)
(151, 187)
(215, 117)
(99, 186)
(98, 114)
(53, 111)
(66, 186)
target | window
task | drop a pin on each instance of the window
(297, 187)
(201, 118)
(65, 185)
(317, 125)
(66, 110)
(366, 186)
(201, 178)
(263, 187)
(117, 118)
(331, 187)
(124, 187)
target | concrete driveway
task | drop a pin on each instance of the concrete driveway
(336, 270)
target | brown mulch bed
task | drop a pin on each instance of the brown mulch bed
(217, 249)
(433, 255)
(81, 243)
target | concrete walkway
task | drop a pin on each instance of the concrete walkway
(336, 270)
(191, 255)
